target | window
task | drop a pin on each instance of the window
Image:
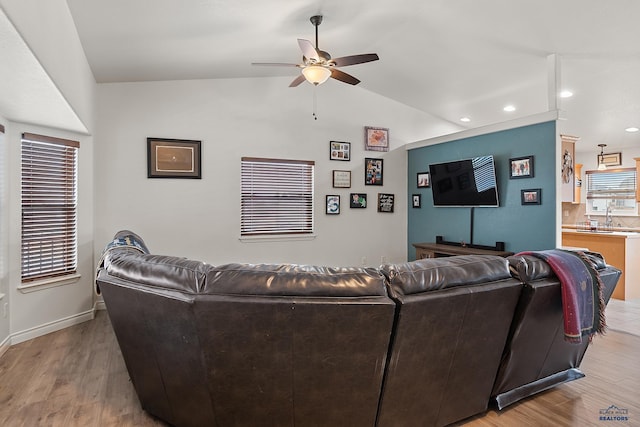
(612, 189)
(49, 207)
(277, 197)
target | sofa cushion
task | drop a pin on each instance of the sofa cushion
(440, 273)
(528, 268)
(294, 280)
(158, 271)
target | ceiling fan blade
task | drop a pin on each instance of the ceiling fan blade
(297, 81)
(344, 77)
(275, 64)
(308, 50)
(355, 59)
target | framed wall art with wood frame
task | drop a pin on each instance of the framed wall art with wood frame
(341, 179)
(173, 158)
(376, 139)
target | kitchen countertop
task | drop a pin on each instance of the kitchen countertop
(615, 232)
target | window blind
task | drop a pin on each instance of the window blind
(277, 196)
(614, 184)
(49, 206)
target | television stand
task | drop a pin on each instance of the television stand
(435, 250)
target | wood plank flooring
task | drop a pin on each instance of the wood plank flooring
(76, 377)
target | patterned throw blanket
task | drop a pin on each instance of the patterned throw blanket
(582, 297)
(127, 241)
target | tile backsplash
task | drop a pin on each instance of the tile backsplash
(573, 213)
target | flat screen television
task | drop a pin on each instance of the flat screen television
(468, 182)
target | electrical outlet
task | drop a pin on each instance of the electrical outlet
(383, 259)
(363, 261)
(4, 309)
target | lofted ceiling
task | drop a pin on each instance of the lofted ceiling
(448, 58)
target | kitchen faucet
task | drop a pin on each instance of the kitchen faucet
(608, 220)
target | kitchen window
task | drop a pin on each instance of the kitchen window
(613, 191)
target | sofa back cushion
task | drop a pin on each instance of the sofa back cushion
(294, 280)
(441, 273)
(157, 271)
(528, 268)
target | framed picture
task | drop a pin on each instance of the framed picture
(339, 151)
(333, 204)
(521, 167)
(416, 199)
(385, 202)
(173, 158)
(610, 159)
(424, 180)
(376, 139)
(341, 179)
(358, 200)
(373, 171)
(532, 196)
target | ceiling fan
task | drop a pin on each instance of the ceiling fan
(317, 65)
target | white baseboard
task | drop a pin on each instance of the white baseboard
(99, 305)
(4, 345)
(49, 327)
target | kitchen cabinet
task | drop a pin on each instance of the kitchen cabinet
(620, 249)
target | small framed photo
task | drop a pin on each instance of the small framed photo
(173, 158)
(424, 180)
(373, 171)
(376, 139)
(416, 199)
(341, 179)
(385, 202)
(532, 196)
(521, 167)
(358, 200)
(339, 151)
(333, 204)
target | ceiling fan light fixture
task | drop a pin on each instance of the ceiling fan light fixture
(316, 74)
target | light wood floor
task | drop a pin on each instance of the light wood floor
(76, 377)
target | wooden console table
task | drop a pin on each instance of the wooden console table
(434, 250)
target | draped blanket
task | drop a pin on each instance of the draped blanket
(582, 292)
(130, 241)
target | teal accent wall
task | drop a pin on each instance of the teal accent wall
(521, 227)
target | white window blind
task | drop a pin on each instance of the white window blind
(615, 184)
(277, 196)
(49, 206)
(612, 191)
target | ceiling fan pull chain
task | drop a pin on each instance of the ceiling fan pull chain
(315, 103)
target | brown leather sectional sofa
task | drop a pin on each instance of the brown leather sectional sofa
(423, 343)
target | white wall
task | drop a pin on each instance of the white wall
(4, 241)
(200, 219)
(48, 30)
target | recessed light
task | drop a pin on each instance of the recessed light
(566, 94)
(632, 129)
(509, 108)
(465, 119)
